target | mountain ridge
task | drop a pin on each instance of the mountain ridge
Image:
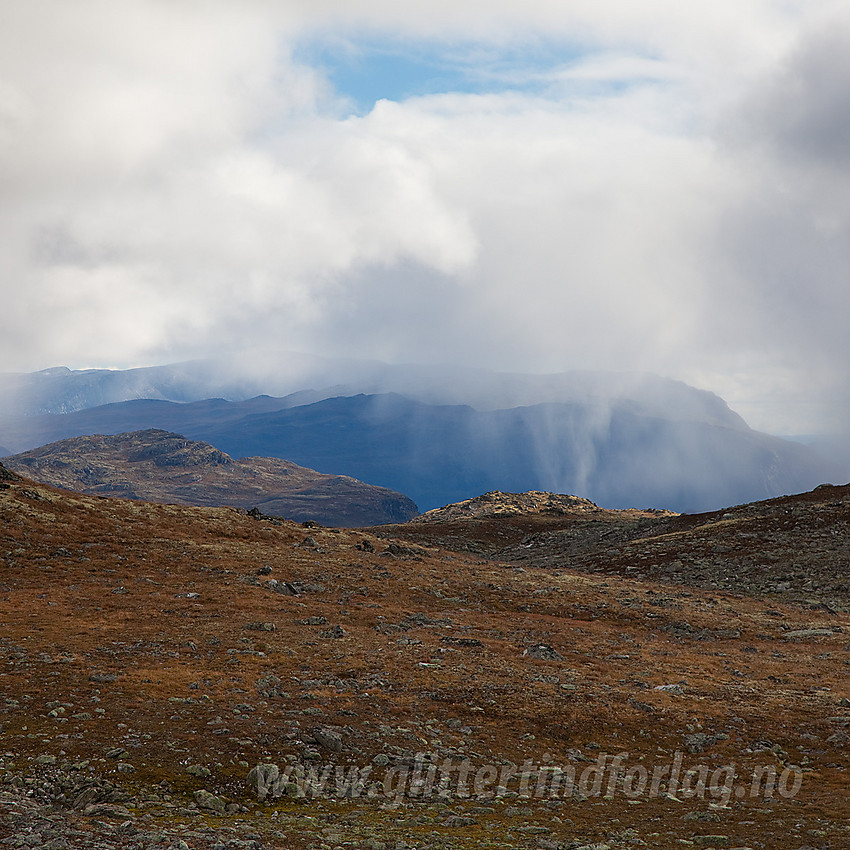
(611, 453)
(161, 466)
(61, 390)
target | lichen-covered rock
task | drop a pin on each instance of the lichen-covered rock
(206, 800)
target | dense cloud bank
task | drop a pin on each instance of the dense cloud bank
(658, 187)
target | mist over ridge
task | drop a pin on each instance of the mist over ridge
(436, 434)
(279, 374)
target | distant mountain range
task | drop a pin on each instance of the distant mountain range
(438, 435)
(60, 390)
(159, 466)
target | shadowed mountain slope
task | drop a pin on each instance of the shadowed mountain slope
(62, 390)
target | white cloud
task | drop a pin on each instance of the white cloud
(174, 181)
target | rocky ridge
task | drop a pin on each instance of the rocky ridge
(156, 465)
(497, 503)
(795, 548)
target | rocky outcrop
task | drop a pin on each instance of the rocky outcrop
(160, 466)
(496, 504)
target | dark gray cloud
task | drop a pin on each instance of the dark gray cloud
(784, 243)
(802, 111)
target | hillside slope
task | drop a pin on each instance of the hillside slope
(152, 655)
(159, 466)
(794, 548)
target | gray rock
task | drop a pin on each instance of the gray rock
(205, 800)
(282, 587)
(117, 753)
(699, 742)
(328, 739)
(797, 634)
(198, 770)
(543, 652)
(262, 779)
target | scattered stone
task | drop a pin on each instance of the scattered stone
(283, 587)
(798, 634)
(543, 652)
(198, 770)
(262, 779)
(699, 742)
(117, 753)
(103, 678)
(209, 801)
(328, 739)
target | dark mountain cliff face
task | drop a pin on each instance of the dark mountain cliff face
(156, 465)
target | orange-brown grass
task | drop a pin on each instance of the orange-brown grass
(91, 587)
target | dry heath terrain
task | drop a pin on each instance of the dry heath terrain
(533, 673)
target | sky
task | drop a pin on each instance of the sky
(532, 187)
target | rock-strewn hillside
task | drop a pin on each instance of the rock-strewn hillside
(7, 475)
(195, 677)
(792, 547)
(159, 466)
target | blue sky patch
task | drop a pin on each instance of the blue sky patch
(368, 71)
